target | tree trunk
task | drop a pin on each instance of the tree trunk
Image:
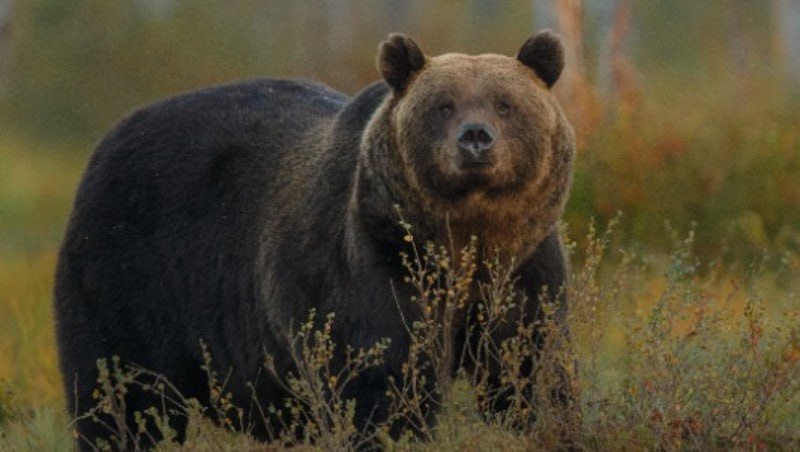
(5, 36)
(576, 95)
(786, 36)
(624, 84)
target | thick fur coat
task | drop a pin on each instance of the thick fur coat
(224, 215)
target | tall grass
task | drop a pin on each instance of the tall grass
(671, 354)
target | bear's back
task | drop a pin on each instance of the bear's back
(188, 153)
(173, 185)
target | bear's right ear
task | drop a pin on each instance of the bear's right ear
(398, 59)
(545, 55)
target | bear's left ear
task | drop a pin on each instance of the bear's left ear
(544, 54)
(398, 59)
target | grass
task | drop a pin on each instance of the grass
(36, 188)
(674, 352)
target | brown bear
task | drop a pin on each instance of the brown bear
(226, 214)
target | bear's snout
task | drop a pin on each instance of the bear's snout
(475, 140)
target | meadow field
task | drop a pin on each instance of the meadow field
(681, 343)
(683, 222)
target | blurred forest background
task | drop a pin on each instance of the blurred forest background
(685, 111)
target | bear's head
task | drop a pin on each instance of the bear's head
(480, 138)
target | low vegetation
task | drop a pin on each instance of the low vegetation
(662, 353)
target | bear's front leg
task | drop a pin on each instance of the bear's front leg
(522, 354)
(395, 391)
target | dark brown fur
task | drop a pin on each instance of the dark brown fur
(225, 215)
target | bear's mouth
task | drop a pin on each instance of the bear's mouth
(472, 178)
(461, 177)
(469, 165)
(476, 166)
(475, 174)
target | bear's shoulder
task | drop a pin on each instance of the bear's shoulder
(360, 108)
(352, 119)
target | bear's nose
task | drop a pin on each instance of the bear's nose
(475, 139)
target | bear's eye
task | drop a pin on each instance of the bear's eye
(446, 110)
(503, 108)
